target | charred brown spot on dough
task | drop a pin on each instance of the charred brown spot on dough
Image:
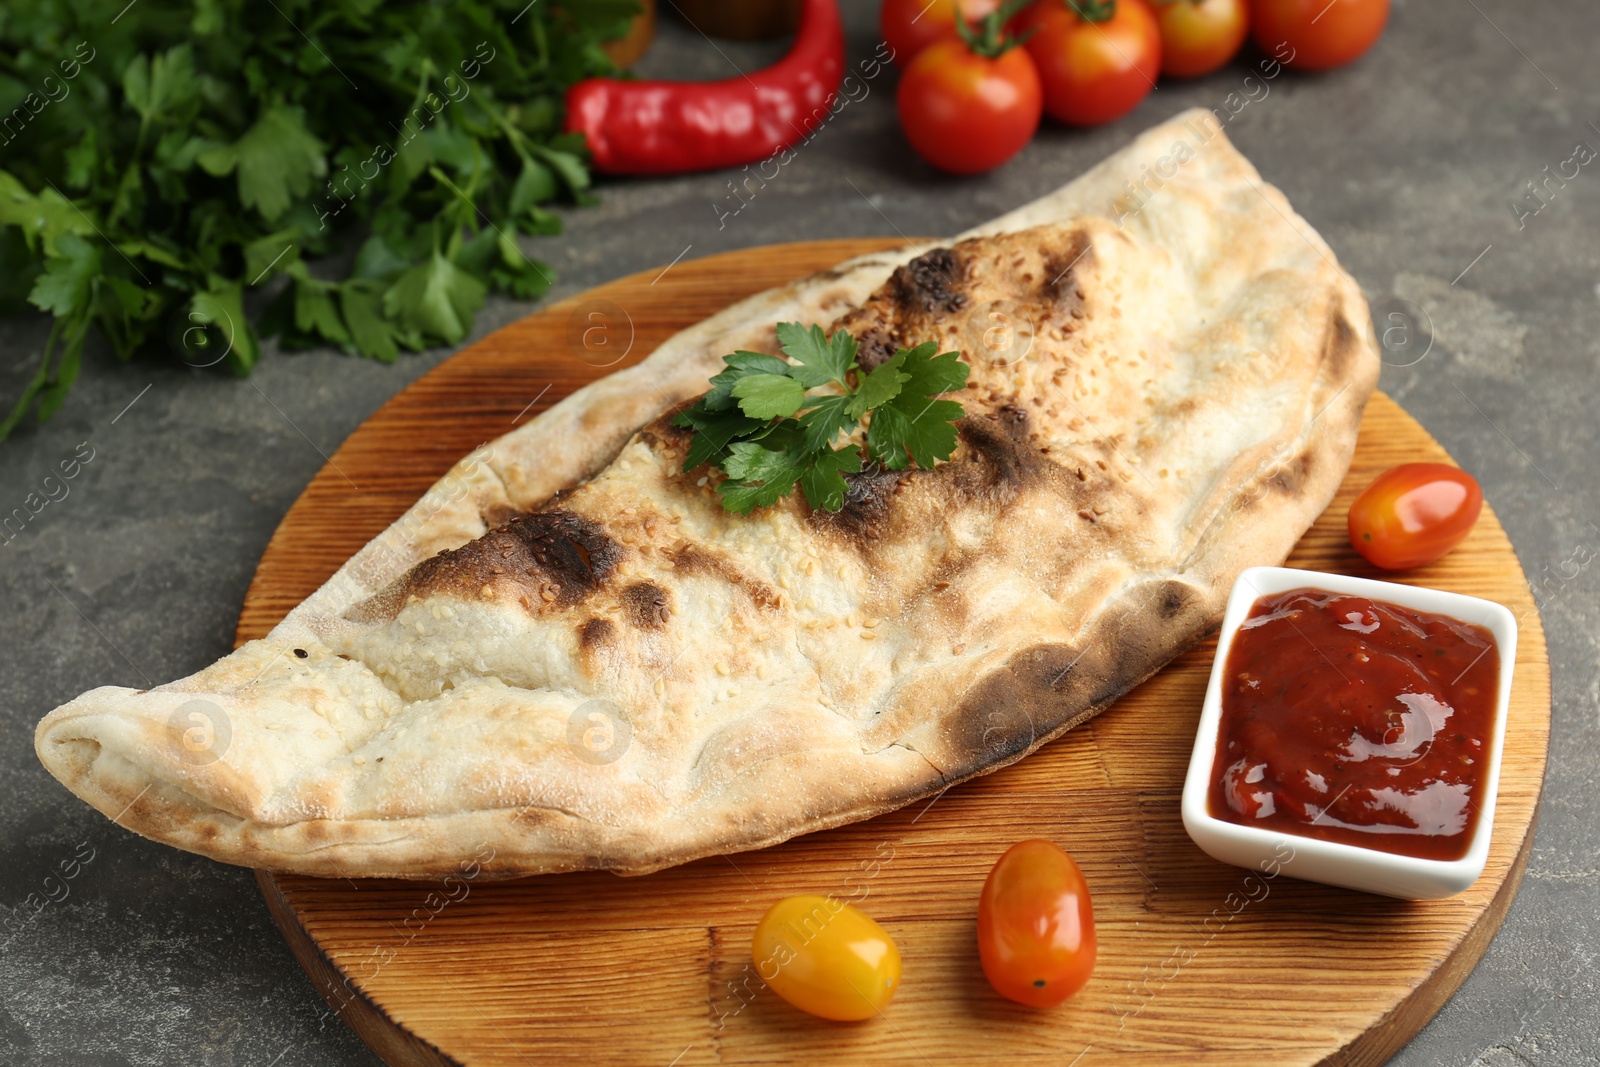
(868, 496)
(874, 346)
(1048, 688)
(930, 283)
(996, 464)
(1061, 266)
(998, 461)
(572, 550)
(559, 557)
(1001, 718)
(695, 560)
(1289, 479)
(1184, 408)
(498, 514)
(595, 633)
(660, 432)
(1339, 345)
(938, 600)
(1015, 421)
(647, 605)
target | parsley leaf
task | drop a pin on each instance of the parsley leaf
(362, 306)
(831, 416)
(275, 161)
(879, 387)
(155, 87)
(63, 288)
(822, 482)
(820, 359)
(768, 396)
(758, 476)
(914, 425)
(739, 364)
(763, 424)
(714, 431)
(316, 312)
(223, 308)
(435, 297)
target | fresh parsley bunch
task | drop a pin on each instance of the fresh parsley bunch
(158, 163)
(770, 424)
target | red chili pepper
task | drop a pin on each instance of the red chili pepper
(661, 127)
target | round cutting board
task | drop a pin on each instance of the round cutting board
(1195, 962)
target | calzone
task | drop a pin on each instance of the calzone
(569, 651)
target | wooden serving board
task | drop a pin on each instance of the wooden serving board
(1195, 962)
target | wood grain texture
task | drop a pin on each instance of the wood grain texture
(591, 968)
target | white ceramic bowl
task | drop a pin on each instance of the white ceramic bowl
(1332, 862)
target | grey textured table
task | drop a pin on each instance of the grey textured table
(1408, 163)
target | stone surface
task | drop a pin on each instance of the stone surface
(1407, 163)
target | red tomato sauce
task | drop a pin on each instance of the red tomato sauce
(1358, 721)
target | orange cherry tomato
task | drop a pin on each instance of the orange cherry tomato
(909, 26)
(1035, 925)
(1198, 36)
(1317, 34)
(1413, 514)
(967, 113)
(826, 957)
(1097, 58)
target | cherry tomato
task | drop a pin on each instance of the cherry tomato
(827, 958)
(1097, 58)
(1317, 34)
(1198, 36)
(967, 113)
(1413, 514)
(1035, 925)
(909, 26)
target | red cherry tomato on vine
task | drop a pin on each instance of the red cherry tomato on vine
(1198, 36)
(1097, 58)
(1317, 34)
(1413, 514)
(967, 113)
(1035, 925)
(909, 26)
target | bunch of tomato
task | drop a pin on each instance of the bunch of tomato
(980, 74)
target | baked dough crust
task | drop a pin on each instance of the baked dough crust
(626, 677)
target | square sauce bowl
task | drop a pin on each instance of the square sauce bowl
(1386, 785)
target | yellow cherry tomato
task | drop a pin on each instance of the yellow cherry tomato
(826, 957)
